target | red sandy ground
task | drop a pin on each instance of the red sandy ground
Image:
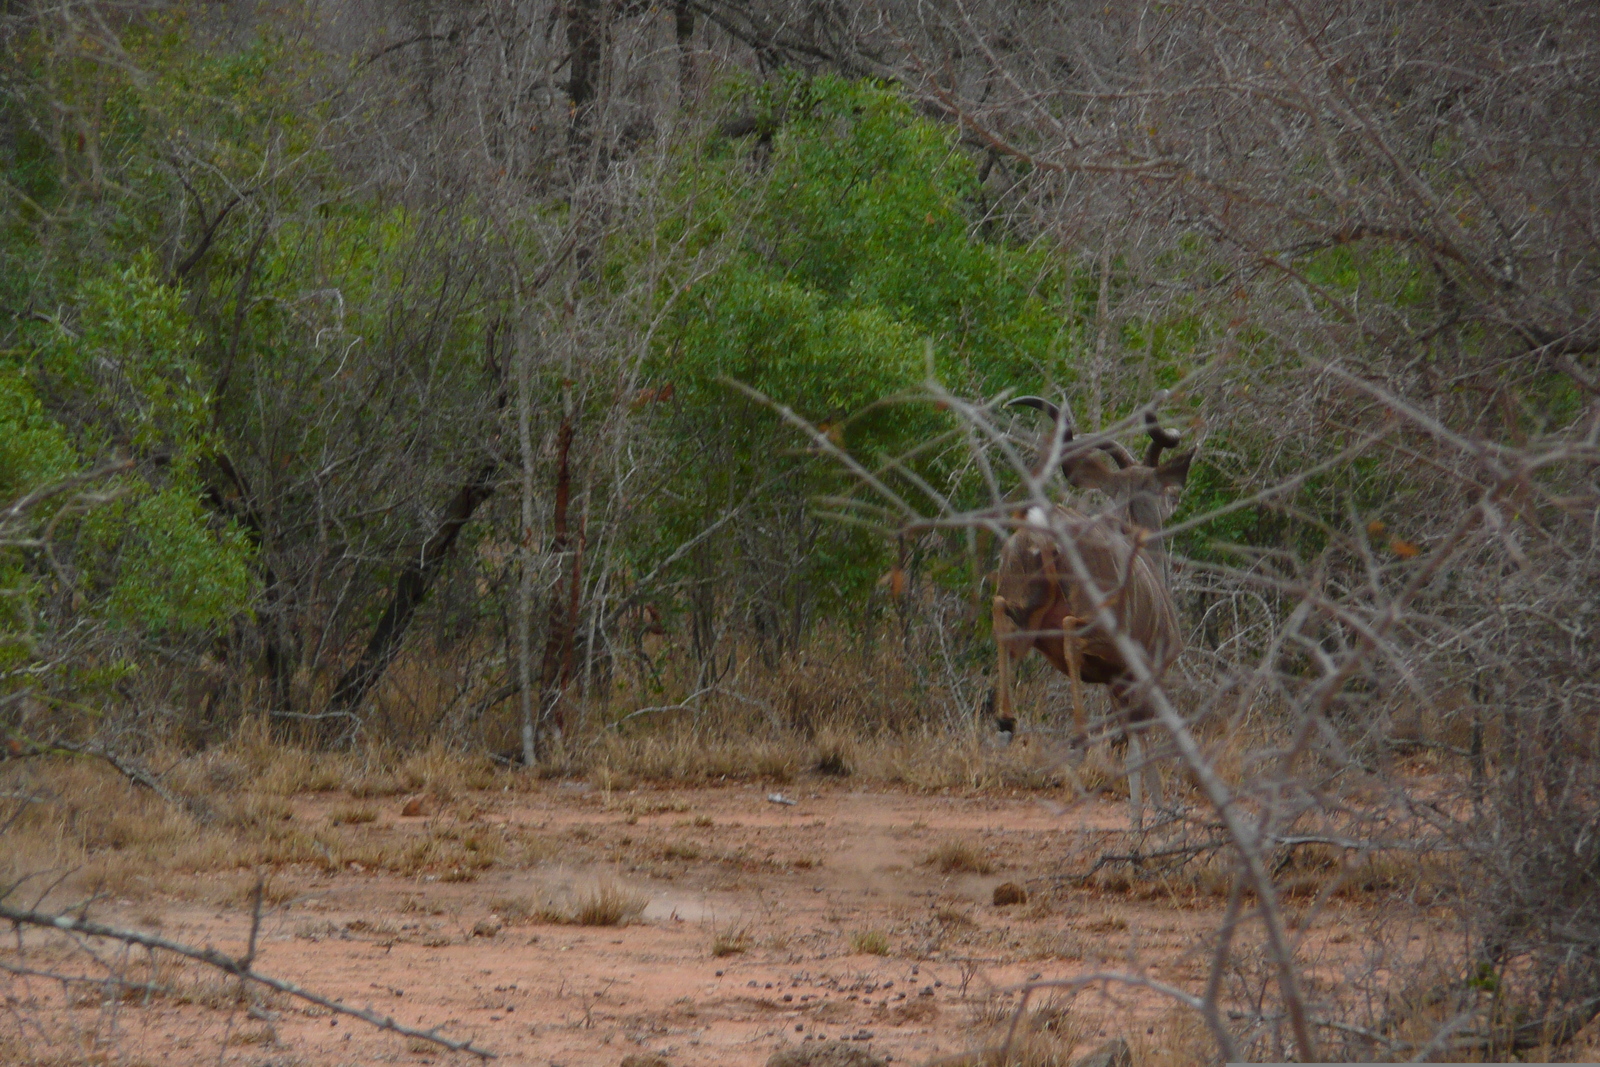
(797, 880)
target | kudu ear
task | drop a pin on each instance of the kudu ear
(1175, 471)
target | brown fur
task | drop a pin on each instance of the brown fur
(1040, 601)
(1040, 594)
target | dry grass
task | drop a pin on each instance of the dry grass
(241, 892)
(263, 1035)
(731, 942)
(1031, 1048)
(124, 840)
(1049, 1035)
(870, 942)
(646, 805)
(42, 1051)
(1103, 771)
(681, 850)
(608, 904)
(516, 910)
(1180, 1039)
(1303, 873)
(837, 712)
(382, 784)
(117, 838)
(687, 755)
(603, 904)
(356, 815)
(957, 856)
(159, 977)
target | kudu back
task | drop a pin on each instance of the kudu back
(1043, 602)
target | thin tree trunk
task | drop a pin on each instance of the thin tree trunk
(574, 588)
(583, 59)
(530, 744)
(683, 26)
(410, 589)
(423, 27)
(1098, 368)
(419, 572)
(558, 634)
(240, 505)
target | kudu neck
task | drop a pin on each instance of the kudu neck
(1142, 511)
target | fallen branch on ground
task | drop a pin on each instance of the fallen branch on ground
(128, 767)
(240, 967)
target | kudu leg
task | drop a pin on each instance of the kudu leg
(1003, 713)
(1156, 788)
(1071, 653)
(1136, 780)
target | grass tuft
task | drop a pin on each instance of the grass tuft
(731, 942)
(355, 815)
(959, 857)
(609, 905)
(870, 942)
(606, 904)
(681, 850)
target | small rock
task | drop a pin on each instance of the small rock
(779, 798)
(413, 808)
(1009, 893)
(824, 1054)
(1114, 1053)
(486, 928)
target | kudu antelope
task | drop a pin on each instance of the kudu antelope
(1042, 600)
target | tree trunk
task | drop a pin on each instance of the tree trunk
(272, 627)
(583, 59)
(524, 628)
(556, 670)
(683, 27)
(416, 578)
(421, 568)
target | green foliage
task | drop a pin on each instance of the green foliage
(116, 372)
(852, 249)
(105, 127)
(119, 169)
(125, 371)
(34, 450)
(201, 290)
(125, 375)
(848, 255)
(175, 571)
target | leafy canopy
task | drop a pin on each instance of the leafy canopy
(849, 250)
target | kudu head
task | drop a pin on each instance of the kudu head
(1141, 490)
